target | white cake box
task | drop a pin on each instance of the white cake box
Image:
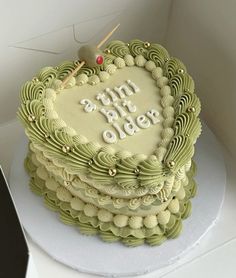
(16, 260)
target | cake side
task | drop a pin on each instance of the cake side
(139, 202)
(132, 230)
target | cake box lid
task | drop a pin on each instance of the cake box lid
(16, 259)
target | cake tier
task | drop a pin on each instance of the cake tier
(139, 202)
(131, 228)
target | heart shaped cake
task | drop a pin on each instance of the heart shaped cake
(112, 150)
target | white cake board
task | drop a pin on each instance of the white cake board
(90, 254)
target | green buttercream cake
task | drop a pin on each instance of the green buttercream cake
(112, 151)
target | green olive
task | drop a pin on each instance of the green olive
(92, 56)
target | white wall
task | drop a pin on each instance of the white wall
(202, 33)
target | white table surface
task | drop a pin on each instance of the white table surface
(215, 255)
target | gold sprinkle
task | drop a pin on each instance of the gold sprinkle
(90, 162)
(171, 164)
(67, 183)
(65, 149)
(180, 71)
(35, 79)
(112, 172)
(137, 171)
(31, 118)
(147, 44)
(128, 44)
(191, 109)
(107, 51)
(46, 135)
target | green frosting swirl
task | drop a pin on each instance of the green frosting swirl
(126, 176)
(174, 227)
(41, 130)
(66, 218)
(80, 156)
(132, 241)
(89, 71)
(56, 142)
(87, 229)
(181, 83)
(136, 48)
(179, 151)
(156, 240)
(187, 124)
(173, 67)
(118, 48)
(158, 54)
(47, 74)
(185, 101)
(100, 167)
(187, 210)
(108, 236)
(35, 188)
(32, 90)
(193, 189)
(151, 173)
(51, 204)
(65, 68)
(31, 111)
(29, 166)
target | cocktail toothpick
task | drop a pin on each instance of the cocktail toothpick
(88, 51)
(108, 36)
